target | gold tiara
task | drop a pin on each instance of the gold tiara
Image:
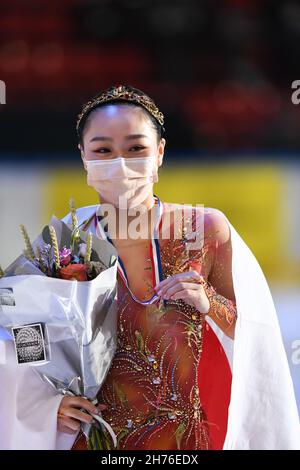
(122, 92)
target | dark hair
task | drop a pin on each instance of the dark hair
(85, 115)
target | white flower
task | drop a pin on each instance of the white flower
(82, 250)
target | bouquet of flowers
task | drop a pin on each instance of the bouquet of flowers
(58, 303)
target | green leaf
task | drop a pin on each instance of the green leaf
(179, 434)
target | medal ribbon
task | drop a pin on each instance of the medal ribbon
(155, 256)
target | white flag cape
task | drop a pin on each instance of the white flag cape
(262, 411)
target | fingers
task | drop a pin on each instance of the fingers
(171, 288)
(80, 402)
(187, 286)
(70, 414)
(169, 291)
(182, 294)
(197, 299)
(187, 276)
(79, 415)
(68, 425)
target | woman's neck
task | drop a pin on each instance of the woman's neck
(131, 226)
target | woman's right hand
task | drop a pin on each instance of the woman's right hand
(69, 416)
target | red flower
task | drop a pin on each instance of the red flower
(75, 272)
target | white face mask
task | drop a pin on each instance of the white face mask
(121, 179)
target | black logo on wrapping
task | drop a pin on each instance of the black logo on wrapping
(29, 343)
(7, 296)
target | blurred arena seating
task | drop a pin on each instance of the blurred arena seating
(220, 71)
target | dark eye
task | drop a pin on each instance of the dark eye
(136, 148)
(101, 150)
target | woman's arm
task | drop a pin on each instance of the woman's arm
(214, 297)
(219, 288)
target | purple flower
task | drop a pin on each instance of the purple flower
(65, 256)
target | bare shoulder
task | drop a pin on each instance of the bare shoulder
(215, 222)
(216, 225)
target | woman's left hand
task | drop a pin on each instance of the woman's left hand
(186, 286)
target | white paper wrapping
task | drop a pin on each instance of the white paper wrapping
(80, 324)
(263, 412)
(28, 408)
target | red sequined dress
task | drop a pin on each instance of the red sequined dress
(168, 387)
